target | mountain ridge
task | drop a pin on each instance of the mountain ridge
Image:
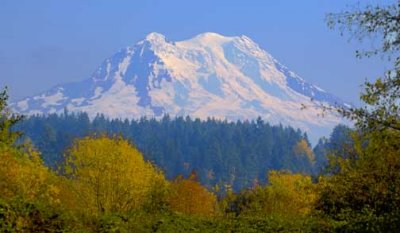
(209, 75)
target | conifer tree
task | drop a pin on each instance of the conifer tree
(7, 121)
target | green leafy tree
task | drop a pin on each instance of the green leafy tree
(381, 97)
(363, 195)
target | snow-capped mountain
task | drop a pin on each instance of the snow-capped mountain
(207, 76)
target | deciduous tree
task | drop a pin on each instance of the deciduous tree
(188, 196)
(110, 175)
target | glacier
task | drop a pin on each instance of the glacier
(207, 76)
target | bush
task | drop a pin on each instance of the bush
(20, 216)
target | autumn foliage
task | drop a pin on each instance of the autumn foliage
(110, 175)
(188, 196)
(302, 148)
(24, 175)
(286, 195)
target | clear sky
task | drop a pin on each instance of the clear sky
(46, 42)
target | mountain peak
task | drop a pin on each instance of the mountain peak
(209, 75)
(211, 36)
(207, 39)
(155, 36)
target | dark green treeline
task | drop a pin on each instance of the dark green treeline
(236, 154)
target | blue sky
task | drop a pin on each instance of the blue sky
(46, 42)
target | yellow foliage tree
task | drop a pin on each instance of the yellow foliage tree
(286, 195)
(302, 148)
(188, 196)
(24, 175)
(289, 194)
(110, 175)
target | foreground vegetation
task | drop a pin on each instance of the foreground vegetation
(104, 184)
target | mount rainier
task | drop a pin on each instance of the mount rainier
(209, 75)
